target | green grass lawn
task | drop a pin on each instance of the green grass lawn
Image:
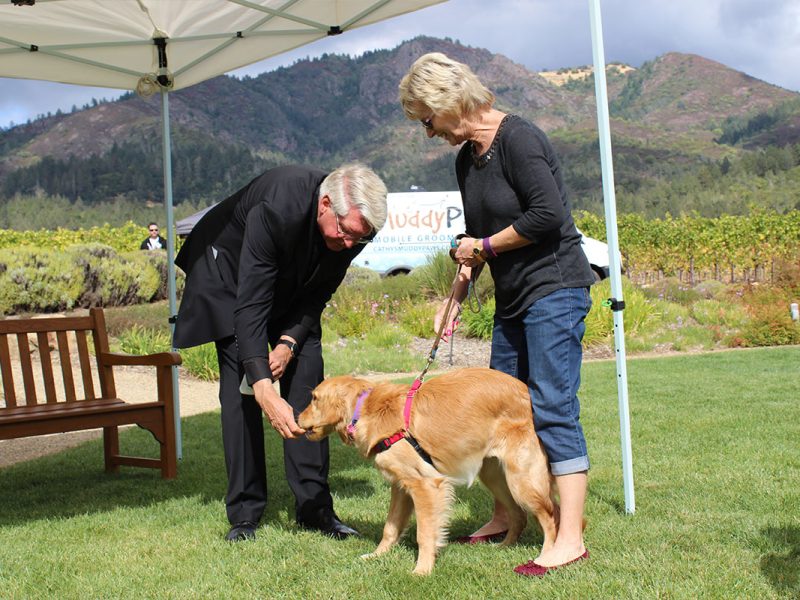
(717, 474)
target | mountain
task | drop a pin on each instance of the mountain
(672, 116)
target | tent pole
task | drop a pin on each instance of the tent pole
(166, 152)
(610, 204)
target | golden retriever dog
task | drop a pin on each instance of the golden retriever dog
(472, 422)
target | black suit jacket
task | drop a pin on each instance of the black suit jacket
(256, 265)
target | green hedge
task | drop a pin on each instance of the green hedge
(81, 276)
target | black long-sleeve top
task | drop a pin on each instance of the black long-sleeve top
(521, 185)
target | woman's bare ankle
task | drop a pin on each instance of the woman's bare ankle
(492, 527)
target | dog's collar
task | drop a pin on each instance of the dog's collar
(351, 428)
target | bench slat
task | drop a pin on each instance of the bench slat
(27, 368)
(66, 366)
(106, 372)
(8, 377)
(48, 410)
(79, 420)
(86, 365)
(47, 324)
(47, 367)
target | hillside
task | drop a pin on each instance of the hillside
(672, 116)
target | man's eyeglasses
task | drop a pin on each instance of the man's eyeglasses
(427, 123)
(154, 229)
(349, 236)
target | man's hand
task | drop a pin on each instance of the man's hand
(279, 359)
(277, 410)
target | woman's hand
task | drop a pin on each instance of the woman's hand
(452, 319)
(465, 252)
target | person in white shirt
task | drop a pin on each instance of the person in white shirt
(154, 241)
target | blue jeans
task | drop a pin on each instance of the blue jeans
(542, 348)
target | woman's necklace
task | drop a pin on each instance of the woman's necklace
(482, 160)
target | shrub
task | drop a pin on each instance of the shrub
(357, 276)
(770, 322)
(201, 361)
(139, 340)
(769, 325)
(640, 312)
(436, 276)
(38, 281)
(397, 287)
(478, 324)
(158, 260)
(351, 313)
(416, 317)
(387, 335)
(354, 356)
(150, 316)
(673, 290)
(711, 288)
(111, 279)
(718, 313)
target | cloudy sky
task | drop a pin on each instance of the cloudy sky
(758, 37)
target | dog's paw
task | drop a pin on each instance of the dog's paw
(369, 556)
(422, 571)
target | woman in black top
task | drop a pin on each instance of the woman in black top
(519, 222)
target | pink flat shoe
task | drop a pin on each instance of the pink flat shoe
(531, 569)
(481, 539)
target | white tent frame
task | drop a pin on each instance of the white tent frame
(616, 302)
(16, 61)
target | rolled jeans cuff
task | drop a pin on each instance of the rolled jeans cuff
(568, 467)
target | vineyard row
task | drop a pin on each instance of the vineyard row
(727, 247)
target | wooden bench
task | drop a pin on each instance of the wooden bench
(63, 349)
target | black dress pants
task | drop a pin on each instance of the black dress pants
(306, 463)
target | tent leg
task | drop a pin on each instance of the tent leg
(166, 143)
(610, 204)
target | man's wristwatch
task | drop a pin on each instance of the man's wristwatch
(292, 346)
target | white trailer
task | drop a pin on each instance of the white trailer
(420, 224)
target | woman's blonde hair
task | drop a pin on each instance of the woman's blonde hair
(440, 84)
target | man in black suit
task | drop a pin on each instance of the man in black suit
(260, 267)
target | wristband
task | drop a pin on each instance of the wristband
(487, 247)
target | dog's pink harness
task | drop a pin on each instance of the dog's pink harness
(404, 434)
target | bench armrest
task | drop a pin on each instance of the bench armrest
(162, 359)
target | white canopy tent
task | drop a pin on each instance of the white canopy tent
(164, 45)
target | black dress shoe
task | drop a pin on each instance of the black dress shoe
(329, 524)
(244, 530)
